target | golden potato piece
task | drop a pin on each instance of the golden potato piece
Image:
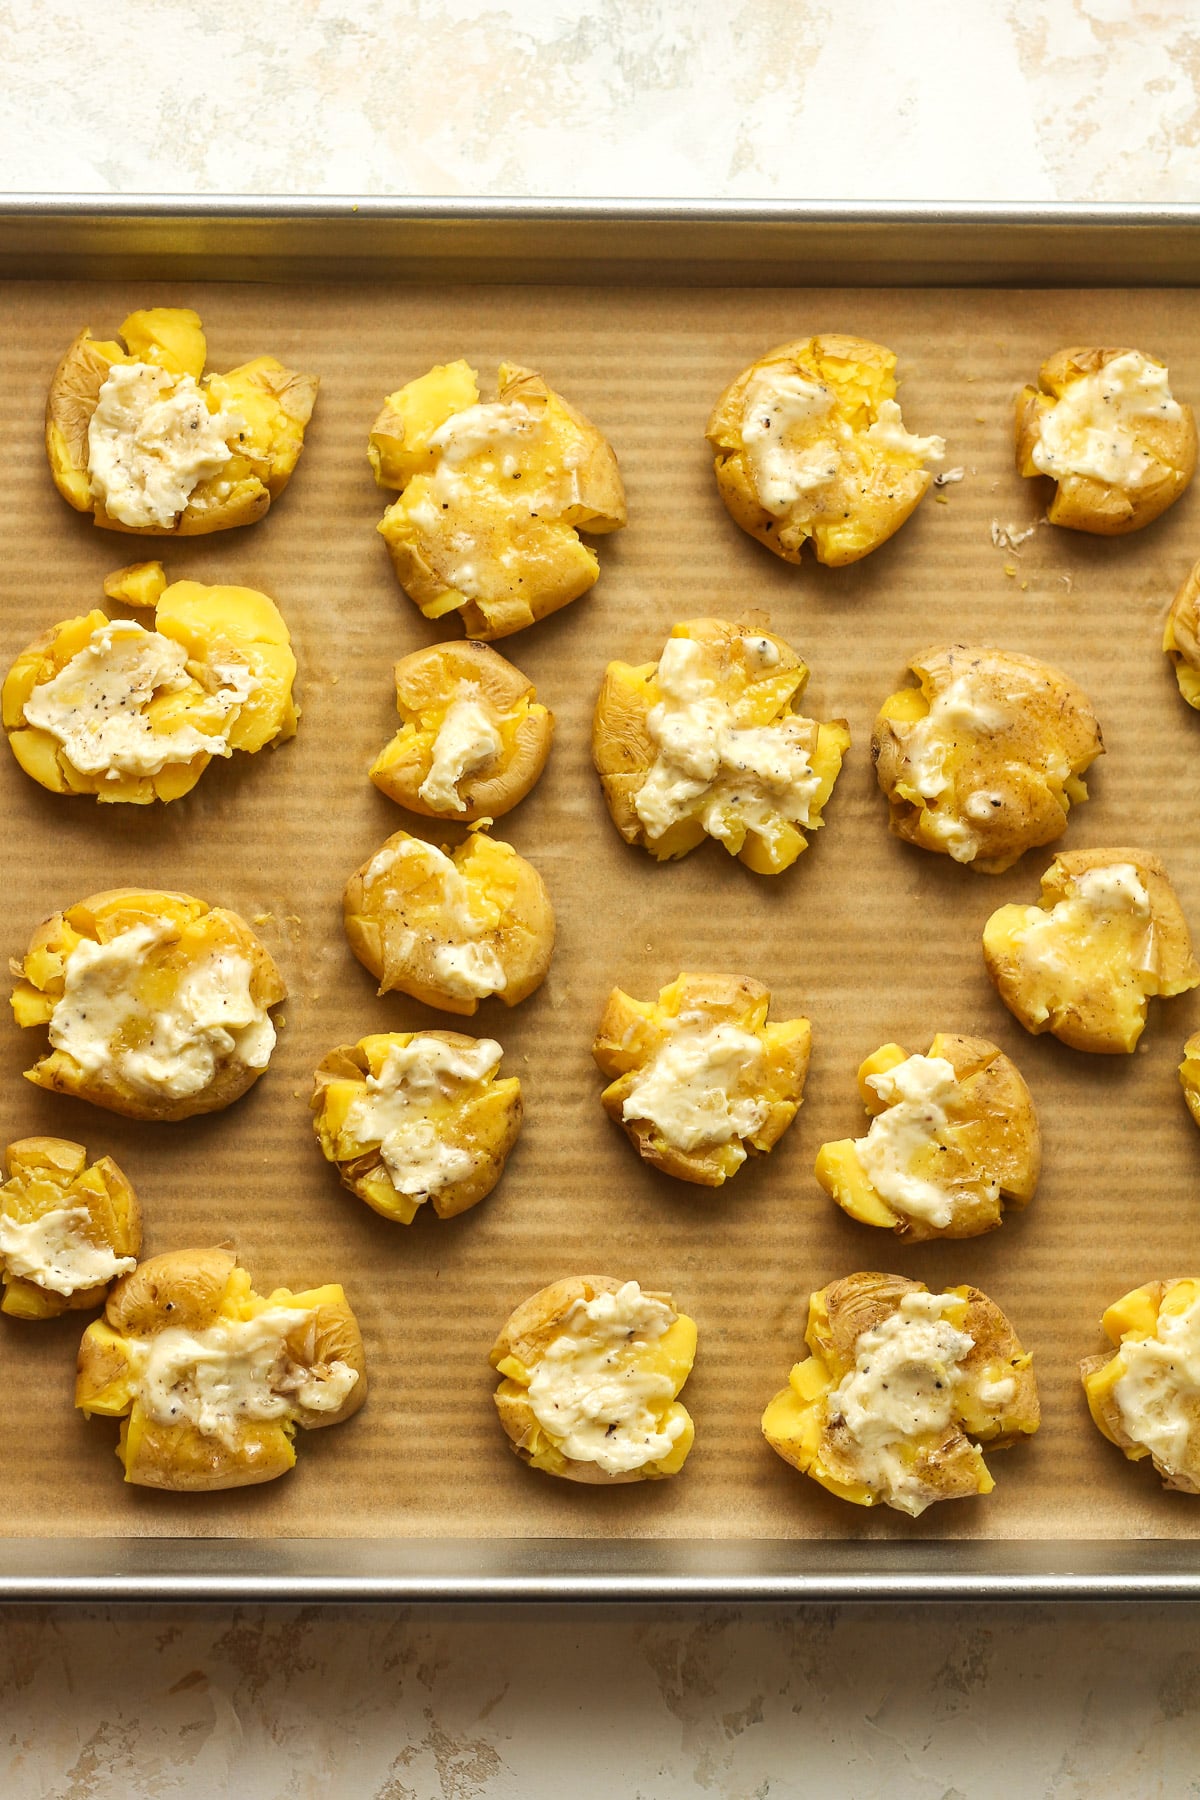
(67, 1228)
(1105, 427)
(591, 1368)
(1181, 638)
(451, 929)
(810, 446)
(985, 758)
(707, 742)
(1189, 1075)
(142, 439)
(472, 739)
(210, 1379)
(900, 1389)
(1144, 1399)
(157, 1004)
(1106, 935)
(411, 1118)
(698, 1078)
(492, 497)
(106, 707)
(137, 584)
(953, 1137)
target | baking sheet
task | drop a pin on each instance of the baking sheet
(870, 939)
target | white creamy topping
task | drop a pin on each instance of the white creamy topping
(589, 1394)
(1117, 888)
(1098, 897)
(55, 1251)
(466, 740)
(916, 1094)
(761, 652)
(888, 433)
(472, 971)
(689, 1089)
(730, 777)
(959, 710)
(395, 1111)
(212, 1019)
(234, 1371)
(464, 965)
(777, 404)
(97, 706)
(901, 1388)
(1091, 429)
(151, 442)
(1158, 1396)
(493, 427)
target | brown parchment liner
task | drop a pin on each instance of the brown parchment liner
(871, 939)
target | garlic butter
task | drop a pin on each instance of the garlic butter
(1091, 429)
(693, 1091)
(467, 740)
(57, 1252)
(151, 441)
(917, 1094)
(399, 1111)
(1158, 1395)
(779, 405)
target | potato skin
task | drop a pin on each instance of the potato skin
(1181, 636)
(1144, 1304)
(875, 506)
(426, 680)
(41, 983)
(1081, 502)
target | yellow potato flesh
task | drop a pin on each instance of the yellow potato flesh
(400, 449)
(45, 1175)
(168, 338)
(137, 585)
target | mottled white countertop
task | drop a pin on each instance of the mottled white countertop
(952, 99)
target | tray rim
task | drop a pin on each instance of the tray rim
(79, 235)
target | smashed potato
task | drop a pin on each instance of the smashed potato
(1189, 1075)
(473, 738)
(1107, 934)
(698, 1078)
(1105, 427)
(106, 707)
(67, 1228)
(210, 1379)
(900, 1390)
(810, 446)
(707, 743)
(1181, 637)
(492, 497)
(411, 1118)
(591, 1368)
(157, 1004)
(140, 437)
(985, 758)
(1144, 1398)
(953, 1136)
(451, 930)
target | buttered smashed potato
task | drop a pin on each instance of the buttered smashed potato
(1143, 1398)
(493, 496)
(953, 1138)
(415, 1118)
(209, 1379)
(1189, 1075)
(699, 1078)
(707, 742)
(67, 1228)
(1104, 425)
(473, 738)
(901, 1389)
(112, 708)
(810, 447)
(1107, 934)
(984, 759)
(157, 1005)
(140, 437)
(1181, 637)
(591, 1369)
(451, 929)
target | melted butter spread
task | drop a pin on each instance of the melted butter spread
(1158, 1396)
(395, 1112)
(467, 739)
(236, 1371)
(56, 1252)
(689, 1091)
(97, 706)
(1102, 902)
(960, 709)
(917, 1094)
(731, 778)
(464, 965)
(901, 1390)
(151, 441)
(493, 428)
(590, 1396)
(104, 1024)
(1091, 430)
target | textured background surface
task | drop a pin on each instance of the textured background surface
(989, 99)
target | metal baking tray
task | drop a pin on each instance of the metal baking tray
(683, 243)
